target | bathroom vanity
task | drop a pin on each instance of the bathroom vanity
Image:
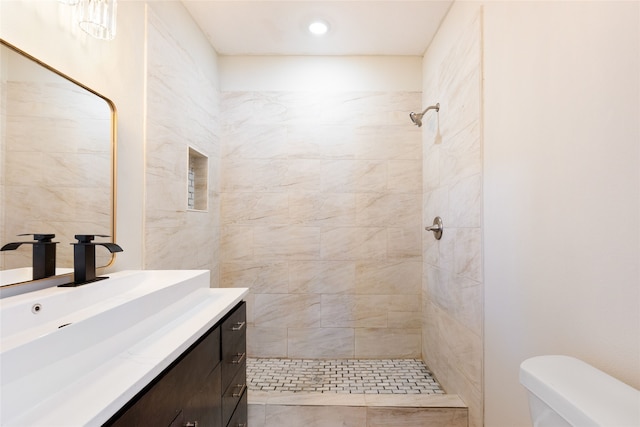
(206, 386)
(139, 348)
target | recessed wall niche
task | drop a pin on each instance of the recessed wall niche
(198, 181)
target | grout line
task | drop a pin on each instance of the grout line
(353, 376)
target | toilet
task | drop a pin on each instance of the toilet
(567, 392)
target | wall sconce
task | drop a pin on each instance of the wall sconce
(96, 17)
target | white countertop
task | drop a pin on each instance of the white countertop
(100, 390)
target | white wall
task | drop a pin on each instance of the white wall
(561, 192)
(115, 69)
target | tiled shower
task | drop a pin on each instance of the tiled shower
(322, 199)
(321, 218)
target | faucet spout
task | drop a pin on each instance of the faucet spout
(44, 254)
(84, 258)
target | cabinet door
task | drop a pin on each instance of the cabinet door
(204, 408)
(240, 417)
(178, 421)
(161, 404)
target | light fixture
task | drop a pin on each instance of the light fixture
(318, 27)
(98, 18)
(95, 17)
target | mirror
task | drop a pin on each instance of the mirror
(57, 161)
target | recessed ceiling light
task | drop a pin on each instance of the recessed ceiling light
(318, 28)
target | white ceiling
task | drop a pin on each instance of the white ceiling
(357, 27)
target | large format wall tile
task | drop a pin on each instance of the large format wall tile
(322, 277)
(326, 186)
(452, 293)
(182, 112)
(56, 169)
(321, 343)
(375, 343)
(287, 310)
(267, 341)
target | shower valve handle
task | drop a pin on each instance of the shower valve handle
(437, 228)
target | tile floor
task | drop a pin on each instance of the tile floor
(354, 376)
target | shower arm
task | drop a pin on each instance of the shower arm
(431, 107)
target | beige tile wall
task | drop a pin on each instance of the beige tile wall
(321, 217)
(56, 170)
(452, 282)
(182, 112)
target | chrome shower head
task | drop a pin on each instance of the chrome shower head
(416, 118)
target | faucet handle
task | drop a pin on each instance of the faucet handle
(40, 237)
(87, 238)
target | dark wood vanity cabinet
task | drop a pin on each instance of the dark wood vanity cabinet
(204, 387)
(233, 332)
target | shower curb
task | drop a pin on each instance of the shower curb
(271, 409)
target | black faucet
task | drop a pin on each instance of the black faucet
(84, 258)
(44, 254)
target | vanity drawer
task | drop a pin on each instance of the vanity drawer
(240, 417)
(233, 334)
(234, 393)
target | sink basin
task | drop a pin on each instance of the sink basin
(34, 314)
(58, 344)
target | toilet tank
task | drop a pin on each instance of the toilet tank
(567, 392)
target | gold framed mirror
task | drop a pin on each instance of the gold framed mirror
(57, 162)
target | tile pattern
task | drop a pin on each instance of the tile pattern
(183, 103)
(320, 218)
(354, 376)
(452, 294)
(56, 165)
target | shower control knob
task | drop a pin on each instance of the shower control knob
(437, 228)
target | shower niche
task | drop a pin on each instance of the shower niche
(197, 181)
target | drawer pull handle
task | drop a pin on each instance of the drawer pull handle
(190, 424)
(241, 387)
(238, 358)
(238, 326)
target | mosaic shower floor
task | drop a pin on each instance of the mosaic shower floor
(356, 376)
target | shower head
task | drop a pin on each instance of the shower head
(416, 118)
